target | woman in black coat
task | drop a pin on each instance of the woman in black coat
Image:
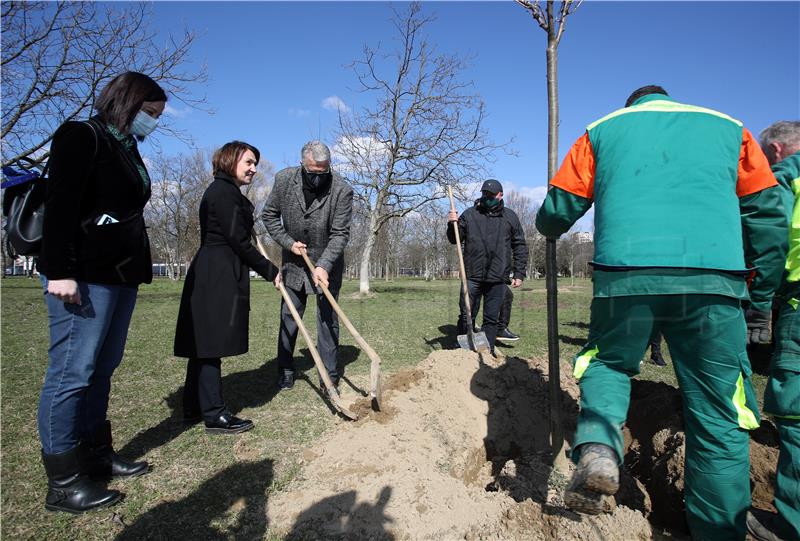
(215, 305)
(95, 253)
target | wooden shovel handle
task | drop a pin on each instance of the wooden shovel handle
(371, 353)
(461, 266)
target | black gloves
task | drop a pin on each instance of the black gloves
(757, 326)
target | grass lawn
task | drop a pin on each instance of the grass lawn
(212, 487)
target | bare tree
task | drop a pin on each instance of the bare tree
(57, 55)
(424, 132)
(553, 24)
(178, 184)
(526, 210)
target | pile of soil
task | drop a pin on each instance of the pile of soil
(460, 451)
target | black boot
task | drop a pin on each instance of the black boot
(103, 463)
(70, 489)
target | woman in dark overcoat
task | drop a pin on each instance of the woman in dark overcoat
(215, 305)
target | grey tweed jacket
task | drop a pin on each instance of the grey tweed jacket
(324, 227)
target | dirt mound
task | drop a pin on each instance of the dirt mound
(459, 451)
(655, 451)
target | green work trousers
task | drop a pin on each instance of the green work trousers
(782, 402)
(706, 339)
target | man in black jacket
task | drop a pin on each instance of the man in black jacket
(492, 237)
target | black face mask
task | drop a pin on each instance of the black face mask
(315, 180)
(490, 202)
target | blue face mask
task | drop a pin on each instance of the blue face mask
(143, 124)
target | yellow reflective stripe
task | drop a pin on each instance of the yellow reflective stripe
(582, 362)
(793, 257)
(662, 106)
(747, 419)
(793, 303)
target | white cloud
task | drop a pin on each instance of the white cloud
(177, 113)
(298, 112)
(359, 153)
(334, 103)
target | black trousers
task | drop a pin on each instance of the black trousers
(505, 310)
(327, 332)
(655, 344)
(202, 390)
(492, 295)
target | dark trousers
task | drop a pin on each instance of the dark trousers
(203, 388)
(327, 332)
(492, 295)
(655, 344)
(505, 309)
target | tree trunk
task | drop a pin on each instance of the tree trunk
(369, 243)
(554, 369)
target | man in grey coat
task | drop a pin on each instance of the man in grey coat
(310, 209)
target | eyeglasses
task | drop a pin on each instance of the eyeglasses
(325, 172)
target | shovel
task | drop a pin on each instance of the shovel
(333, 394)
(473, 341)
(375, 366)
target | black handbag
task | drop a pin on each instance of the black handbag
(23, 206)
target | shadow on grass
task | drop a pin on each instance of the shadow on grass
(571, 340)
(399, 288)
(242, 390)
(238, 491)
(339, 517)
(447, 340)
(577, 324)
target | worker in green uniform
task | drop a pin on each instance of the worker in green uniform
(781, 144)
(683, 195)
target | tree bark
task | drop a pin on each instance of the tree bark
(554, 372)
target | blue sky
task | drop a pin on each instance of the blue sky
(273, 64)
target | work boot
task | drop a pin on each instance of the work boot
(597, 475)
(70, 489)
(761, 525)
(103, 462)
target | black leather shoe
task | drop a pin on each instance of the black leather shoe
(70, 489)
(507, 336)
(285, 381)
(102, 462)
(228, 423)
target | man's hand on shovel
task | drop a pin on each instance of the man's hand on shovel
(320, 275)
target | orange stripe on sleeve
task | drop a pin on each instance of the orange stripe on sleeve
(754, 171)
(576, 174)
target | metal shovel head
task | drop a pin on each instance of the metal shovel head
(479, 341)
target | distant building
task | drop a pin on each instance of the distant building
(583, 237)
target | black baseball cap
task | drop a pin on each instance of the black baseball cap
(492, 186)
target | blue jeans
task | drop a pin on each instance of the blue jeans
(86, 346)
